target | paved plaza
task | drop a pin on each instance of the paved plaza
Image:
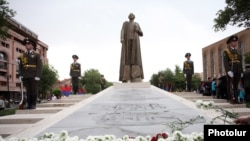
(127, 111)
(124, 109)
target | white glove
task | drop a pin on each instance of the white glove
(230, 73)
(37, 78)
(185, 75)
(241, 75)
(20, 78)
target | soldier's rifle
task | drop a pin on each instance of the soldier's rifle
(22, 96)
(186, 84)
(231, 92)
(231, 87)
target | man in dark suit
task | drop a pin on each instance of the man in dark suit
(232, 59)
(188, 71)
(30, 72)
(75, 73)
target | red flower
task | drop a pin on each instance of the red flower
(154, 139)
(164, 135)
(158, 136)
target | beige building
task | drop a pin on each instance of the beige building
(10, 50)
(212, 55)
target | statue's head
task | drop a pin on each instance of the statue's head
(131, 16)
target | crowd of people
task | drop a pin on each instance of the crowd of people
(217, 88)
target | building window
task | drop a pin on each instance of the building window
(4, 44)
(17, 67)
(2, 83)
(3, 61)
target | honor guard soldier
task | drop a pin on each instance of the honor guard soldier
(160, 81)
(188, 71)
(232, 60)
(75, 73)
(30, 68)
(102, 82)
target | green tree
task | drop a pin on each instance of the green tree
(154, 80)
(168, 76)
(179, 79)
(247, 58)
(5, 14)
(49, 78)
(92, 81)
(176, 78)
(237, 12)
(196, 82)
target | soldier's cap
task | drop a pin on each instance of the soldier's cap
(74, 56)
(187, 54)
(232, 39)
(29, 41)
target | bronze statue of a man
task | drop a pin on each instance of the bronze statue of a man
(131, 62)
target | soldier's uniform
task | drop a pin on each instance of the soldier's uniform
(232, 59)
(75, 73)
(30, 68)
(188, 70)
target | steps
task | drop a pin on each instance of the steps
(24, 119)
(240, 109)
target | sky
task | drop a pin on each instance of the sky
(91, 29)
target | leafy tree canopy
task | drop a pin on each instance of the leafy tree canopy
(237, 12)
(5, 14)
(49, 78)
(92, 81)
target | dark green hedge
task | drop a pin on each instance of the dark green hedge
(7, 111)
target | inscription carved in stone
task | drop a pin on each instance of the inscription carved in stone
(135, 114)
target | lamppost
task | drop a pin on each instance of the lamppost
(8, 82)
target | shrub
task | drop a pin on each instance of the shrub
(57, 93)
(247, 58)
(8, 111)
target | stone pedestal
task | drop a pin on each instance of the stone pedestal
(131, 85)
